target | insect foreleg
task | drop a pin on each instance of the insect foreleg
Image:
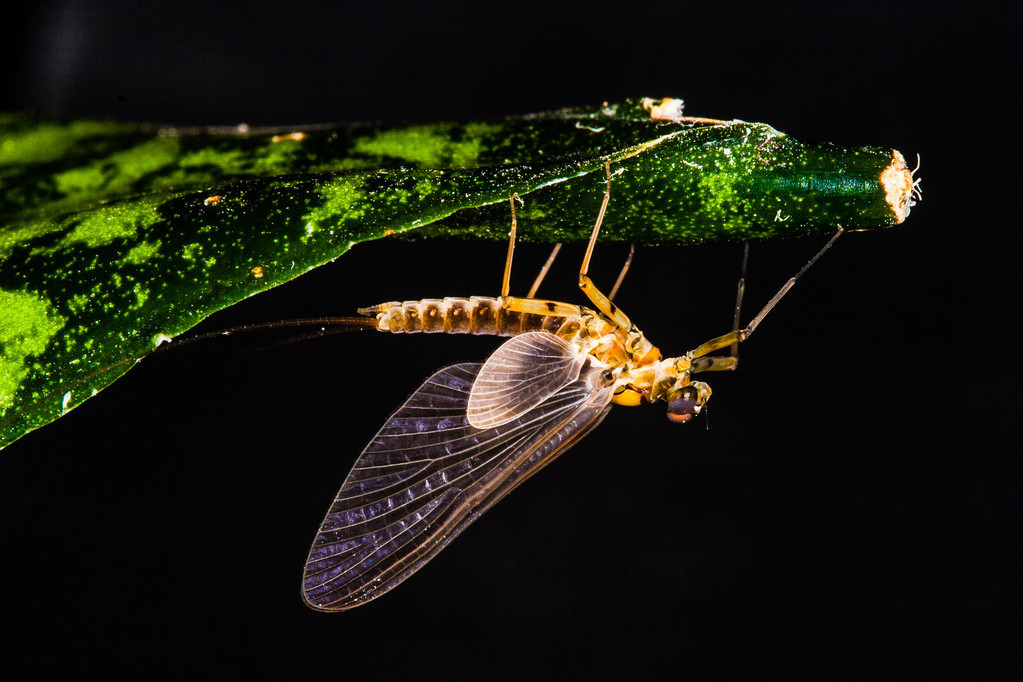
(737, 336)
(740, 291)
(714, 363)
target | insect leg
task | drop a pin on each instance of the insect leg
(543, 270)
(530, 304)
(554, 254)
(602, 302)
(621, 275)
(506, 280)
(739, 293)
(724, 363)
(733, 338)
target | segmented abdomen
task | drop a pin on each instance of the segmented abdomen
(473, 315)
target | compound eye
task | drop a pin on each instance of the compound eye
(683, 405)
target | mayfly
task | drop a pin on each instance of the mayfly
(474, 432)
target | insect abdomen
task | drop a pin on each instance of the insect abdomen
(473, 315)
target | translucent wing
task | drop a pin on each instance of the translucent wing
(526, 370)
(427, 475)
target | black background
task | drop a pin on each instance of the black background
(853, 503)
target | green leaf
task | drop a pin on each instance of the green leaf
(118, 236)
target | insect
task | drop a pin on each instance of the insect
(474, 432)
